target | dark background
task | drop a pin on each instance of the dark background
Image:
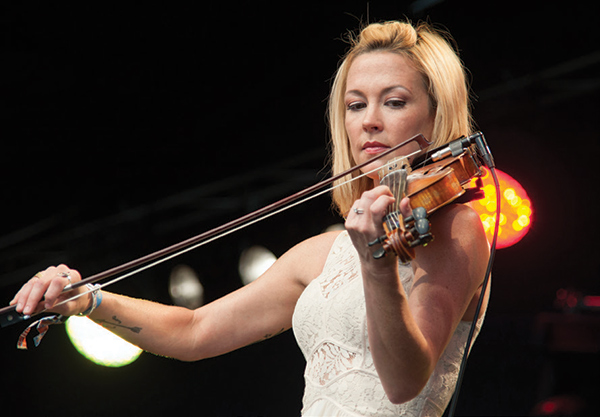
(128, 128)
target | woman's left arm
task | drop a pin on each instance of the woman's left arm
(409, 332)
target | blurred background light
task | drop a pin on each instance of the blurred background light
(254, 261)
(100, 345)
(335, 227)
(515, 213)
(185, 287)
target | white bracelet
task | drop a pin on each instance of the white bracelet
(96, 299)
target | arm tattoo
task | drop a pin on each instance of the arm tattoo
(269, 335)
(117, 323)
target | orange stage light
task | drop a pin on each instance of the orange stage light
(515, 212)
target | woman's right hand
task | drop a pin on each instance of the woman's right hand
(45, 290)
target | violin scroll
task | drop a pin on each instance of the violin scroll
(402, 240)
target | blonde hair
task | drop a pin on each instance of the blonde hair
(430, 52)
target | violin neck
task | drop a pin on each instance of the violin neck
(396, 181)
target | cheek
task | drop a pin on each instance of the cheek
(420, 123)
(429, 123)
(353, 132)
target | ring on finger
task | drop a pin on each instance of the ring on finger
(358, 211)
(36, 276)
(66, 275)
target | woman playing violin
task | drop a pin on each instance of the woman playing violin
(380, 338)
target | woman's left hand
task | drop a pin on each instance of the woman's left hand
(365, 222)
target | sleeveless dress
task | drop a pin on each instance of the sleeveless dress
(329, 324)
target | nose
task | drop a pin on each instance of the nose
(372, 121)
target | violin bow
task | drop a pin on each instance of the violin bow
(8, 315)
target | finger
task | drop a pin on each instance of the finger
(31, 300)
(405, 208)
(383, 190)
(75, 275)
(63, 279)
(380, 205)
(23, 293)
(54, 290)
(375, 193)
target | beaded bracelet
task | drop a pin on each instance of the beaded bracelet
(96, 299)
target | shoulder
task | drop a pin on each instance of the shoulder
(308, 257)
(459, 242)
(460, 223)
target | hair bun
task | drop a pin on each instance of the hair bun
(403, 35)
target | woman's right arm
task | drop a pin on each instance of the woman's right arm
(253, 313)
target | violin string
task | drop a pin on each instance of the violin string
(223, 234)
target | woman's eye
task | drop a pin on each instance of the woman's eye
(396, 103)
(355, 105)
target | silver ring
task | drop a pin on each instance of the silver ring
(358, 211)
(68, 276)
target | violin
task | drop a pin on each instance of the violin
(442, 176)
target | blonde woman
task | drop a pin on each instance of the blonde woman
(380, 338)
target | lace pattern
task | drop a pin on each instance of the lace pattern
(330, 326)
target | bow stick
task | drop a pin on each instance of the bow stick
(9, 316)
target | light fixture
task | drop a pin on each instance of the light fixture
(516, 210)
(254, 261)
(100, 345)
(185, 288)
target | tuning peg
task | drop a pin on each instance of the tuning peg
(422, 226)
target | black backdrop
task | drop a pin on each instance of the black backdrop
(128, 128)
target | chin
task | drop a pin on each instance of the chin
(371, 170)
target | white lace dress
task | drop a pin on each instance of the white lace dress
(330, 326)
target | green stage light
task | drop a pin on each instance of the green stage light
(100, 345)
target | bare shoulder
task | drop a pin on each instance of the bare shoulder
(460, 223)
(309, 256)
(459, 245)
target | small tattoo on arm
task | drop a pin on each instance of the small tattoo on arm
(117, 323)
(269, 335)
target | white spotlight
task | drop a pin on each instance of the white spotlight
(335, 227)
(185, 288)
(254, 261)
(98, 344)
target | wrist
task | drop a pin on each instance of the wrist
(95, 299)
(382, 281)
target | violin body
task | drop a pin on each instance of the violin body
(428, 188)
(442, 182)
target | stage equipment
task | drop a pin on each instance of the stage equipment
(185, 287)
(517, 209)
(100, 345)
(254, 261)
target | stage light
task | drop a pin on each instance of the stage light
(100, 345)
(185, 288)
(254, 261)
(516, 209)
(335, 227)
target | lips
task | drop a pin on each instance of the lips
(374, 147)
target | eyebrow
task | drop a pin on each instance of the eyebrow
(385, 90)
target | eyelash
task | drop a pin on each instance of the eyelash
(359, 105)
(355, 106)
